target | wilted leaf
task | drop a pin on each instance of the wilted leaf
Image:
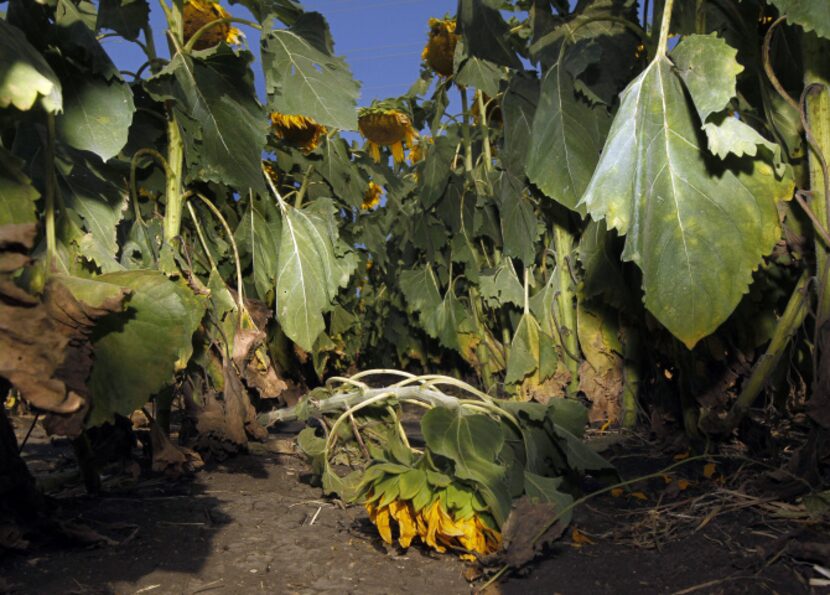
(472, 443)
(696, 232)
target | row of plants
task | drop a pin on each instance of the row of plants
(629, 213)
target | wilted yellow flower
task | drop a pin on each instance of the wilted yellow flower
(272, 172)
(197, 14)
(371, 198)
(387, 127)
(298, 131)
(434, 526)
(440, 48)
(419, 150)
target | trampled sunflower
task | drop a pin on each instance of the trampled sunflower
(298, 131)
(387, 127)
(371, 198)
(197, 14)
(440, 48)
(435, 527)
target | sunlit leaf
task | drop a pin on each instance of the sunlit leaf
(697, 231)
(97, 116)
(17, 194)
(813, 15)
(300, 78)
(25, 75)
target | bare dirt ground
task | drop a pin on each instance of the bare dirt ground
(255, 525)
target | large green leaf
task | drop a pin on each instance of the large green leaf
(485, 33)
(599, 255)
(138, 352)
(88, 190)
(420, 288)
(519, 225)
(695, 229)
(708, 67)
(308, 275)
(437, 170)
(125, 17)
(813, 15)
(25, 75)
(287, 11)
(518, 107)
(501, 285)
(566, 140)
(260, 232)
(478, 73)
(215, 104)
(97, 116)
(472, 443)
(303, 78)
(17, 194)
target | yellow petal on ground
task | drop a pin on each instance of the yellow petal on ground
(681, 456)
(578, 538)
(616, 492)
(381, 521)
(639, 495)
(403, 513)
(709, 470)
(683, 484)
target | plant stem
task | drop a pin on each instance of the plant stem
(565, 304)
(465, 132)
(789, 323)
(49, 170)
(665, 24)
(485, 132)
(631, 377)
(173, 184)
(298, 200)
(240, 296)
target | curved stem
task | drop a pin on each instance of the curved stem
(773, 79)
(134, 165)
(240, 296)
(201, 235)
(188, 47)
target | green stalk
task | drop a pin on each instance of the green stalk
(49, 170)
(173, 184)
(565, 304)
(485, 132)
(789, 323)
(465, 131)
(665, 24)
(631, 377)
(816, 55)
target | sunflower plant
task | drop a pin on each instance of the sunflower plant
(451, 484)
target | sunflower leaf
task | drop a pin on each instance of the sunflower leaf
(125, 17)
(485, 33)
(215, 104)
(17, 194)
(25, 75)
(138, 352)
(566, 140)
(300, 78)
(812, 15)
(472, 443)
(309, 274)
(696, 230)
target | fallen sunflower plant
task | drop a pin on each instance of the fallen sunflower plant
(436, 461)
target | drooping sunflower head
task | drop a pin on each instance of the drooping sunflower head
(385, 126)
(434, 525)
(197, 14)
(270, 169)
(440, 48)
(298, 131)
(371, 198)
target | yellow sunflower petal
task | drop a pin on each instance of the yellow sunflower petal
(197, 14)
(397, 152)
(439, 51)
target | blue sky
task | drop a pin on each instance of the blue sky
(381, 41)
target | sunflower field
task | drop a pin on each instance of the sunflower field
(597, 214)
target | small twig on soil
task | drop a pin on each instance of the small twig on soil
(314, 518)
(207, 587)
(29, 433)
(148, 588)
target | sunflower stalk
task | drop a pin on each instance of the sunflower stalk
(485, 132)
(565, 304)
(49, 198)
(465, 132)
